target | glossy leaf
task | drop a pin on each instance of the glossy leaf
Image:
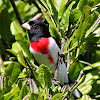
(44, 2)
(53, 10)
(16, 29)
(75, 15)
(93, 27)
(53, 30)
(57, 4)
(82, 3)
(5, 25)
(84, 24)
(65, 18)
(22, 43)
(22, 75)
(21, 58)
(62, 7)
(74, 70)
(34, 96)
(13, 70)
(86, 89)
(86, 97)
(13, 92)
(23, 92)
(44, 76)
(57, 96)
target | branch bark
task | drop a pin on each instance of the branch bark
(59, 59)
(79, 77)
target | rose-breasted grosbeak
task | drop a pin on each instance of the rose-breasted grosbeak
(45, 50)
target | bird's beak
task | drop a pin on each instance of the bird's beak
(26, 26)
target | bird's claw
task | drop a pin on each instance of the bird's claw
(61, 54)
(55, 82)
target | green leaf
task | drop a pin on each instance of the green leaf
(22, 43)
(13, 92)
(1, 5)
(44, 2)
(86, 89)
(16, 29)
(44, 76)
(15, 48)
(19, 52)
(2, 47)
(75, 15)
(23, 92)
(13, 70)
(27, 11)
(91, 2)
(21, 58)
(22, 75)
(91, 78)
(62, 7)
(86, 97)
(86, 11)
(5, 26)
(95, 65)
(53, 30)
(57, 96)
(53, 10)
(84, 24)
(65, 18)
(81, 5)
(57, 4)
(93, 27)
(34, 96)
(74, 70)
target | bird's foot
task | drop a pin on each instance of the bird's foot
(61, 54)
(55, 82)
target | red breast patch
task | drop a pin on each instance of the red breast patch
(42, 47)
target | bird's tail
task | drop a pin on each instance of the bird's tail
(63, 78)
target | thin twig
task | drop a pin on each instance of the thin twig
(59, 59)
(16, 12)
(30, 85)
(68, 60)
(68, 55)
(79, 77)
(33, 86)
(30, 66)
(2, 82)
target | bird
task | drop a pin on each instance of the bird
(45, 50)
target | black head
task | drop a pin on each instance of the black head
(38, 28)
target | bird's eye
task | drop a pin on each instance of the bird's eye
(34, 26)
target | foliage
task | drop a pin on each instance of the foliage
(79, 20)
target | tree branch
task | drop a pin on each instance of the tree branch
(79, 77)
(59, 59)
(2, 82)
(16, 12)
(68, 60)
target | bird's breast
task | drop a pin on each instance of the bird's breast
(45, 52)
(41, 46)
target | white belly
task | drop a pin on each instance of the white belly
(43, 58)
